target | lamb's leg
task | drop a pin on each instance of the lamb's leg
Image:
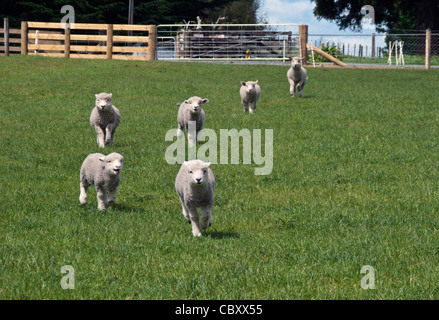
(292, 88)
(109, 134)
(83, 186)
(252, 107)
(102, 199)
(101, 136)
(185, 211)
(112, 195)
(245, 106)
(195, 221)
(180, 133)
(301, 86)
(206, 217)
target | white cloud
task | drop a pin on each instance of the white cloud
(284, 11)
(298, 11)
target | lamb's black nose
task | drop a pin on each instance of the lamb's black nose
(198, 180)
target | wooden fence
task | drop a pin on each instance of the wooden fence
(88, 41)
(9, 40)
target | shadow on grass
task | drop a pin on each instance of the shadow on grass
(125, 208)
(222, 235)
(305, 96)
(88, 209)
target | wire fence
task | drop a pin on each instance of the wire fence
(227, 41)
(245, 42)
(399, 48)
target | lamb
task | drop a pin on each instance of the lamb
(297, 76)
(250, 92)
(104, 173)
(191, 110)
(195, 185)
(104, 119)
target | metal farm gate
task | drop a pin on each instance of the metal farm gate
(227, 41)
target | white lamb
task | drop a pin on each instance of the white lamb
(250, 92)
(102, 172)
(195, 185)
(191, 110)
(104, 119)
(297, 76)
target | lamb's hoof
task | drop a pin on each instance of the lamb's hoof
(197, 234)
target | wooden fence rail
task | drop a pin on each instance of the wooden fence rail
(100, 42)
(9, 45)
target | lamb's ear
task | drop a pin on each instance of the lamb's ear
(96, 96)
(110, 95)
(243, 83)
(300, 59)
(102, 159)
(187, 102)
(207, 164)
(257, 81)
(205, 100)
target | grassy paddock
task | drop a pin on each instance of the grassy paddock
(408, 60)
(354, 183)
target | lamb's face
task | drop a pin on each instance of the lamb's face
(103, 101)
(250, 86)
(296, 63)
(196, 104)
(113, 163)
(197, 171)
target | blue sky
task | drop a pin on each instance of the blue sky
(301, 12)
(298, 11)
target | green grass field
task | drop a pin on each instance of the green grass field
(408, 60)
(354, 183)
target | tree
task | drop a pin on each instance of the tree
(389, 14)
(145, 11)
(242, 12)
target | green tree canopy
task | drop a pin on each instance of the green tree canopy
(145, 11)
(389, 14)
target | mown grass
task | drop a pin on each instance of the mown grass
(354, 183)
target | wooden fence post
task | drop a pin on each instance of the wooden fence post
(373, 45)
(152, 42)
(109, 41)
(427, 48)
(24, 37)
(6, 25)
(303, 40)
(67, 42)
